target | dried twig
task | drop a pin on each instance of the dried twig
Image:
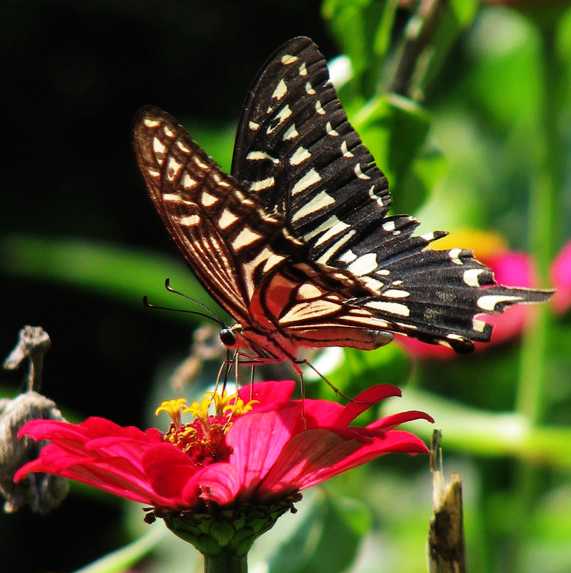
(446, 549)
(33, 343)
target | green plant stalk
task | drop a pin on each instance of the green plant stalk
(543, 232)
(225, 563)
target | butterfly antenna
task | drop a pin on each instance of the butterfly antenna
(191, 299)
(150, 306)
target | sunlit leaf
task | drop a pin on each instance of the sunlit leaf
(363, 30)
(310, 549)
(395, 130)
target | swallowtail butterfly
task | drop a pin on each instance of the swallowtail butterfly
(296, 243)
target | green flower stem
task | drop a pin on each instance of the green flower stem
(543, 232)
(225, 563)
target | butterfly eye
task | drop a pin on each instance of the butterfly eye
(227, 337)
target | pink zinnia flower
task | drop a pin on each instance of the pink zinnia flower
(512, 269)
(258, 448)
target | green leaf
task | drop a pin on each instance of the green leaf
(327, 540)
(363, 30)
(123, 559)
(395, 129)
(109, 270)
(386, 365)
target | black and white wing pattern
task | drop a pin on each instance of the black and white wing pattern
(296, 151)
(297, 244)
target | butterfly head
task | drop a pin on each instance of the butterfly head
(228, 337)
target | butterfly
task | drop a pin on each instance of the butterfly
(297, 244)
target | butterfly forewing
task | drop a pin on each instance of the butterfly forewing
(224, 234)
(297, 151)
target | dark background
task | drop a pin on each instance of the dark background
(74, 74)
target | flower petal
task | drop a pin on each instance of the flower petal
(364, 400)
(399, 418)
(271, 395)
(317, 455)
(561, 277)
(257, 440)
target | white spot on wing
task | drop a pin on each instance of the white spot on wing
(320, 201)
(319, 108)
(339, 227)
(284, 113)
(168, 131)
(173, 168)
(303, 70)
(324, 259)
(348, 256)
(172, 198)
(359, 173)
(199, 162)
(189, 221)
(208, 200)
(151, 122)
(308, 290)
(490, 301)
(219, 181)
(183, 147)
(227, 218)
(373, 284)
(158, 146)
(280, 91)
(261, 155)
(187, 181)
(245, 238)
(329, 130)
(363, 265)
(478, 325)
(309, 89)
(374, 197)
(453, 254)
(309, 179)
(290, 133)
(253, 125)
(262, 184)
(300, 155)
(346, 153)
(470, 277)
(396, 293)
(289, 59)
(389, 226)
(392, 307)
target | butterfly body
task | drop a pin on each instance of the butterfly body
(297, 245)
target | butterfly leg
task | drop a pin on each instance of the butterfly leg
(323, 377)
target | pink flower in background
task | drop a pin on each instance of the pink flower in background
(512, 269)
(257, 446)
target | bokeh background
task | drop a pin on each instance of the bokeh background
(477, 142)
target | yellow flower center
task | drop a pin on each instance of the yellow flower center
(203, 438)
